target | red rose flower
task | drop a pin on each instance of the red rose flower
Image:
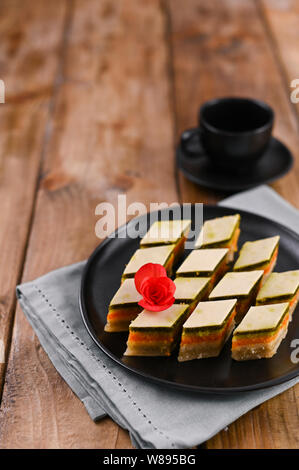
(156, 288)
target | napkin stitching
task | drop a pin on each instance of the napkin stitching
(97, 360)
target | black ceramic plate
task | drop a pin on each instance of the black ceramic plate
(275, 163)
(101, 279)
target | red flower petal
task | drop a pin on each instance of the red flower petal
(157, 291)
(155, 308)
(148, 270)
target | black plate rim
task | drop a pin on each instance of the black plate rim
(238, 187)
(178, 386)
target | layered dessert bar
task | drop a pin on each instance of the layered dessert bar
(259, 254)
(222, 232)
(207, 329)
(164, 255)
(242, 286)
(191, 290)
(260, 332)
(280, 287)
(205, 263)
(166, 232)
(156, 333)
(123, 307)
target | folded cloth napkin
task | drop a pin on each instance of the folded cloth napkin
(155, 416)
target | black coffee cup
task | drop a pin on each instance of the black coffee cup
(234, 132)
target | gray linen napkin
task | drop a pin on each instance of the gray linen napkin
(156, 416)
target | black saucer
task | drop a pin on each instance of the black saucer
(276, 162)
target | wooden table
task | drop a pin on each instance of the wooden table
(97, 93)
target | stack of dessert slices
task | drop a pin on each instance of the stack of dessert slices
(163, 244)
(213, 294)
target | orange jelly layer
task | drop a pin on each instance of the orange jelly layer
(180, 246)
(271, 264)
(136, 336)
(259, 339)
(194, 339)
(122, 313)
(169, 264)
(294, 299)
(219, 273)
(233, 244)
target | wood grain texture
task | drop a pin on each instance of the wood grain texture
(111, 133)
(30, 39)
(281, 22)
(97, 90)
(224, 48)
(23, 123)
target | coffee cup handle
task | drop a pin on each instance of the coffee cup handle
(188, 135)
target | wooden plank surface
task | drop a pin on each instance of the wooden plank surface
(223, 48)
(111, 134)
(23, 122)
(120, 82)
(29, 46)
(281, 22)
